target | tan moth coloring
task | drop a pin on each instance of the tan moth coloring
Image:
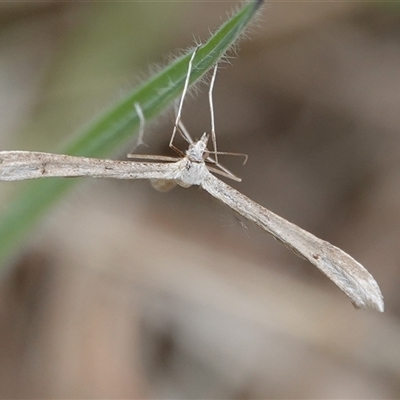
(192, 168)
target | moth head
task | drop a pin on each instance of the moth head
(198, 151)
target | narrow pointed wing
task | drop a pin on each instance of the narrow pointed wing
(21, 165)
(349, 275)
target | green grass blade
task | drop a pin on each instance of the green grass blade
(115, 127)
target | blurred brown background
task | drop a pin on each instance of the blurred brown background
(125, 292)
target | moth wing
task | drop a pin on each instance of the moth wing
(349, 275)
